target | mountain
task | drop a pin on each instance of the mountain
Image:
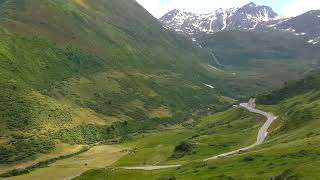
(250, 17)
(306, 25)
(243, 18)
(271, 57)
(253, 41)
(83, 72)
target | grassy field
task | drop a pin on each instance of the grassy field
(60, 150)
(97, 157)
(153, 148)
(211, 136)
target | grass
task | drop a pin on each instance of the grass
(96, 157)
(60, 150)
(41, 164)
(211, 136)
(152, 148)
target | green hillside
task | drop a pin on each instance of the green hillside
(270, 57)
(292, 89)
(83, 71)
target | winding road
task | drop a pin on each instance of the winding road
(149, 168)
(263, 132)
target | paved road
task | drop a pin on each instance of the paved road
(149, 168)
(263, 132)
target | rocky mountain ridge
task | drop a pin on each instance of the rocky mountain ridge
(250, 17)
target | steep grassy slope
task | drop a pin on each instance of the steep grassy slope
(84, 71)
(292, 89)
(291, 151)
(270, 57)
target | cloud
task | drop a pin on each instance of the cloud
(153, 6)
(298, 7)
(201, 6)
(158, 8)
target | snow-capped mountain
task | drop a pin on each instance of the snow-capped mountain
(307, 24)
(244, 18)
(250, 17)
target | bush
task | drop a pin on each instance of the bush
(25, 148)
(181, 150)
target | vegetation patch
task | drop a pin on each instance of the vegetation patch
(20, 149)
(182, 149)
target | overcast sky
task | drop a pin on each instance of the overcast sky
(283, 7)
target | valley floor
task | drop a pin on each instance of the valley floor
(290, 153)
(213, 135)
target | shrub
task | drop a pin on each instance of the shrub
(181, 150)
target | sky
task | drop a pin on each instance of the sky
(283, 7)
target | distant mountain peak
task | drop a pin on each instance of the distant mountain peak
(243, 18)
(250, 17)
(175, 11)
(251, 4)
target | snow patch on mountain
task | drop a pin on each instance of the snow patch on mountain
(250, 17)
(314, 41)
(210, 86)
(246, 17)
